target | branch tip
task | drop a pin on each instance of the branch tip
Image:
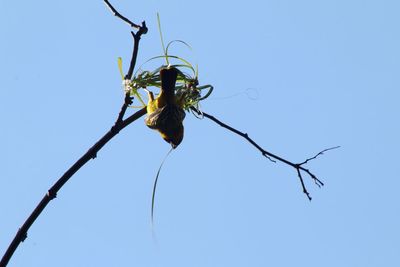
(318, 154)
(298, 166)
(120, 124)
(118, 15)
(144, 28)
(268, 157)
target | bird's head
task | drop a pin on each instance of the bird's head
(174, 138)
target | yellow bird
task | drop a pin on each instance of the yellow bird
(164, 113)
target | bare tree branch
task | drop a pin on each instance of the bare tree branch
(52, 192)
(318, 154)
(119, 124)
(118, 15)
(127, 103)
(136, 37)
(298, 166)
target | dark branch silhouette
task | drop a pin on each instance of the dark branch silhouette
(119, 124)
(52, 192)
(298, 166)
(117, 14)
(136, 37)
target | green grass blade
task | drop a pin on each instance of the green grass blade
(120, 68)
(153, 197)
(162, 39)
(178, 41)
(210, 89)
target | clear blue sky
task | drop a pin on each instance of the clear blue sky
(326, 73)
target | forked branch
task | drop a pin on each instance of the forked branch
(119, 124)
(298, 166)
(136, 37)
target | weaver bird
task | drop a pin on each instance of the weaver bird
(165, 113)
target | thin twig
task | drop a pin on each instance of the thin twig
(118, 15)
(136, 37)
(318, 154)
(298, 166)
(119, 124)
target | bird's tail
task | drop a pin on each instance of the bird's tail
(168, 79)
